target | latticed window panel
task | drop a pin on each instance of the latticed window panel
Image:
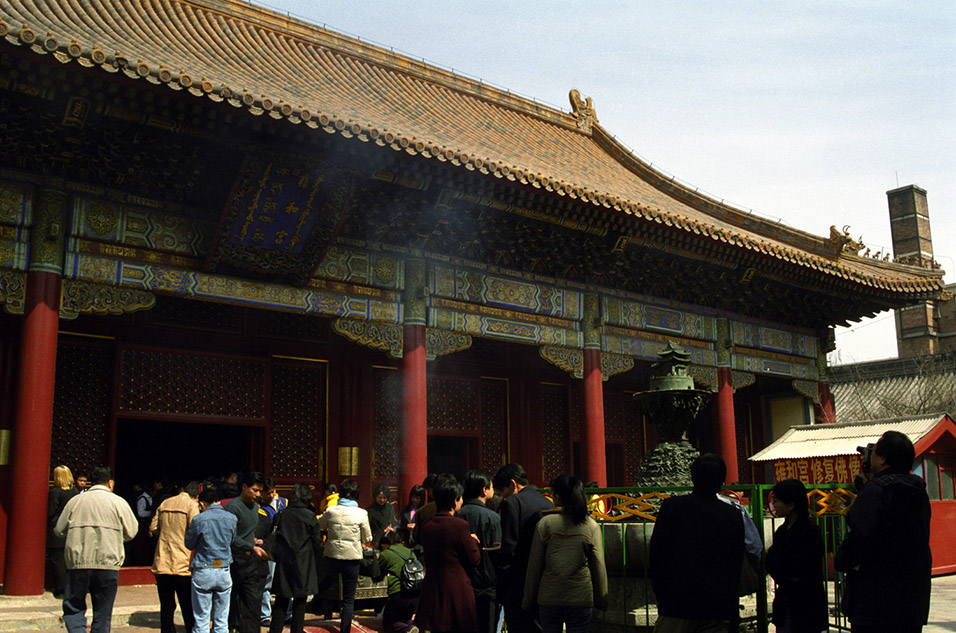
(453, 404)
(81, 407)
(554, 423)
(192, 314)
(634, 447)
(613, 416)
(494, 423)
(191, 384)
(575, 411)
(297, 429)
(387, 416)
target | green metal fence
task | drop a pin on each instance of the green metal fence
(626, 516)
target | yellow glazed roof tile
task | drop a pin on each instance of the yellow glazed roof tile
(268, 63)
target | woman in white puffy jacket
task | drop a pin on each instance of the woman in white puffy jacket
(348, 531)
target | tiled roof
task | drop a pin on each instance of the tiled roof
(825, 440)
(270, 64)
(894, 387)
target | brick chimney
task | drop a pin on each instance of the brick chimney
(916, 326)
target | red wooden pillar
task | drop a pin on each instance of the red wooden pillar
(33, 421)
(593, 455)
(826, 403)
(413, 435)
(725, 431)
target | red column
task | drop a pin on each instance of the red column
(726, 432)
(413, 434)
(33, 429)
(826, 403)
(593, 456)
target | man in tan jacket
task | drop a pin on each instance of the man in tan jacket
(95, 525)
(171, 561)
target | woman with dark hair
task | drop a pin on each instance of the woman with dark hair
(381, 514)
(416, 499)
(566, 576)
(447, 602)
(297, 548)
(348, 531)
(795, 561)
(398, 616)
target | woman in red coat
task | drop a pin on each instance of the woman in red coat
(447, 603)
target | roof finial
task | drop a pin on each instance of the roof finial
(582, 110)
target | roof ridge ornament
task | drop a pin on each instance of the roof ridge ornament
(841, 242)
(582, 110)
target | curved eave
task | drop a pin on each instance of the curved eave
(283, 39)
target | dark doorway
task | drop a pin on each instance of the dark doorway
(452, 454)
(181, 451)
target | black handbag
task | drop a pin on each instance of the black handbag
(369, 565)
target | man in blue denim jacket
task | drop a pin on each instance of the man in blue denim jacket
(210, 534)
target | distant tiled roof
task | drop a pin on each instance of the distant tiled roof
(894, 387)
(825, 440)
(268, 63)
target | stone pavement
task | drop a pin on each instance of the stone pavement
(137, 611)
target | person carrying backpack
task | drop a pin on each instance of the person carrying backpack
(400, 565)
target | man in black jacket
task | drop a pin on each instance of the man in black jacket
(520, 511)
(696, 553)
(886, 554)
(486, 525)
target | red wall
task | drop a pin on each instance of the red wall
(941, 539)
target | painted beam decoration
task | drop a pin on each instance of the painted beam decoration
(115, 223)
(13, 290)
(187, 283)
(503, 292)
(664, 319)
(82, 297)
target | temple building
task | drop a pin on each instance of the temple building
(230, 239)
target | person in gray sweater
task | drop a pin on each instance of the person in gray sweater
(566, 577)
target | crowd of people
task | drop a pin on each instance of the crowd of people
(468, 556)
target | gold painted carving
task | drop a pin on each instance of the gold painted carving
(741, 379)
(11, 203)
(705, 377)
(80, 297)
(13, 290)
(572, 361)
(101, 218)
(384, 269)
(807, 389)
(380, 336)
(582, 110)
(564, 358)
(442, 342)
(614, 364)
(389, 338)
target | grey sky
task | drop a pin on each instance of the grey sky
(804, 112)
